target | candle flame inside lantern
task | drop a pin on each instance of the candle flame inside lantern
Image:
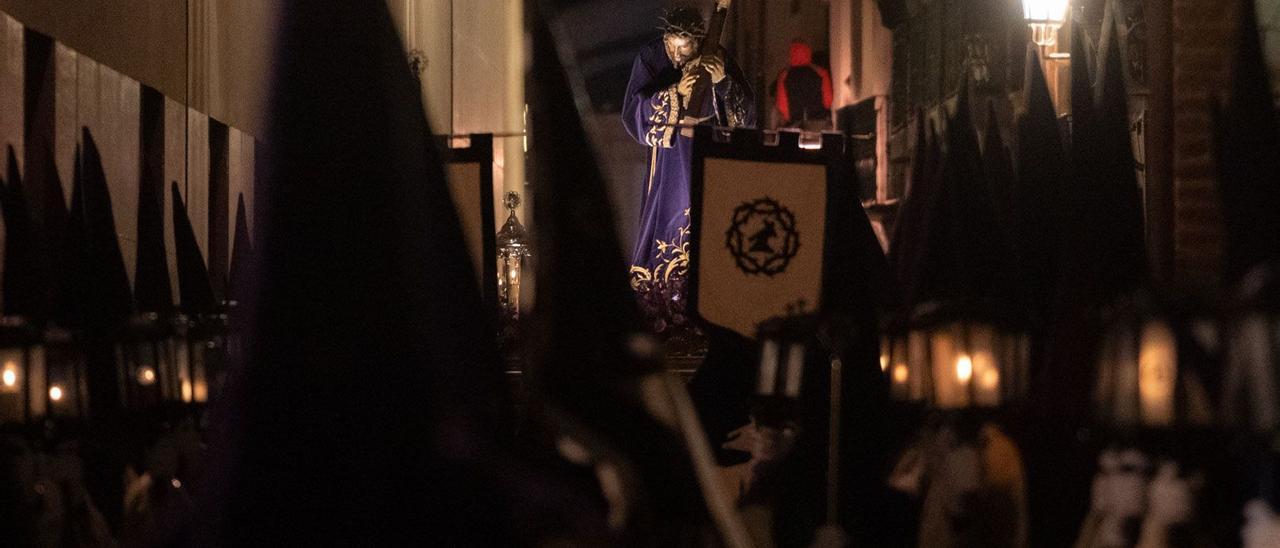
(884, 363)
(10, 375)
(900, 373)
(55, 393)
(964, 368)
(146, 376)
(1157, 374)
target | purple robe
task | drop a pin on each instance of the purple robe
(660, 255)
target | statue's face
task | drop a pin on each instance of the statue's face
(680, 49)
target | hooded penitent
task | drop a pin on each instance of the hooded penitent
(22, 283)
(371, 399)
(152, 286)
(1247, 150)
(804, 89)
(595, 369)
(193, 275)
(1103, 256)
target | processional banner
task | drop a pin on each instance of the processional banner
(759, 218)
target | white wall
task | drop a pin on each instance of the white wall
(90, 93)
(474, 76)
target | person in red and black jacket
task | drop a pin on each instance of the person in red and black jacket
(804, 91)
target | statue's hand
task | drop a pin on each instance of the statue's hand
(714, 65)
(685, 87)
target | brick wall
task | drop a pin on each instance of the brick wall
(1203, 42)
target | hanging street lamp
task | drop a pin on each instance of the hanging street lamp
(1045, 17)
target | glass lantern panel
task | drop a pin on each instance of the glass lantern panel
(952, 368)
(1123, 365)
(918, 377)
(12, 370)
(13, 378)
(200, 352)
(182, 367)
(144, 386)
(768, 371)
(66, 397)
(897, 370)
(795, 371)
(987, 362)
(38, 381)
(886, 353)
(1157, 374)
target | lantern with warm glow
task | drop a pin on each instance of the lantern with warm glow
(1148, 370)
(780, 372)
(42, 374)
(514, 252)
(66, 370)
(21, 372)
(1045, 17)
(161, 361)
(207, 344)
(953, 363)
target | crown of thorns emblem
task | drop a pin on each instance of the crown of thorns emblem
(762, 237)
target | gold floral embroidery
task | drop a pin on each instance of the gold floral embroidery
(660, 130)
(673, 261)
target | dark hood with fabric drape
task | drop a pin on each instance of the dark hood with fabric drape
(369, 405)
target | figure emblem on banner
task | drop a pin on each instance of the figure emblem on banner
(763, 237)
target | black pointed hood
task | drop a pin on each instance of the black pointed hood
(22, 281)
(53, 242)
(1118, 209)
(372, 384)
(592, 350)
(194, 288)
(998, 168)
(241, 255)
(110, 293)
(1040, 189)
(912, 226)
(1106, 257)
(71, 299)
(582, 281)
(965, 265)
(152, 287)
(1247, 147)
(1082, 79)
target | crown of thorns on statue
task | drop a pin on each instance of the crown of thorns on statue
(683, 21)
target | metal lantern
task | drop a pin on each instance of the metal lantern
(144, 362)
(514, 252)
(780, 371)
(66, 370)
(156, 365)
(955, 362)
(207, 344)
(1045, 17)
(22, 388)
(42, 374)
(1148, 369)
